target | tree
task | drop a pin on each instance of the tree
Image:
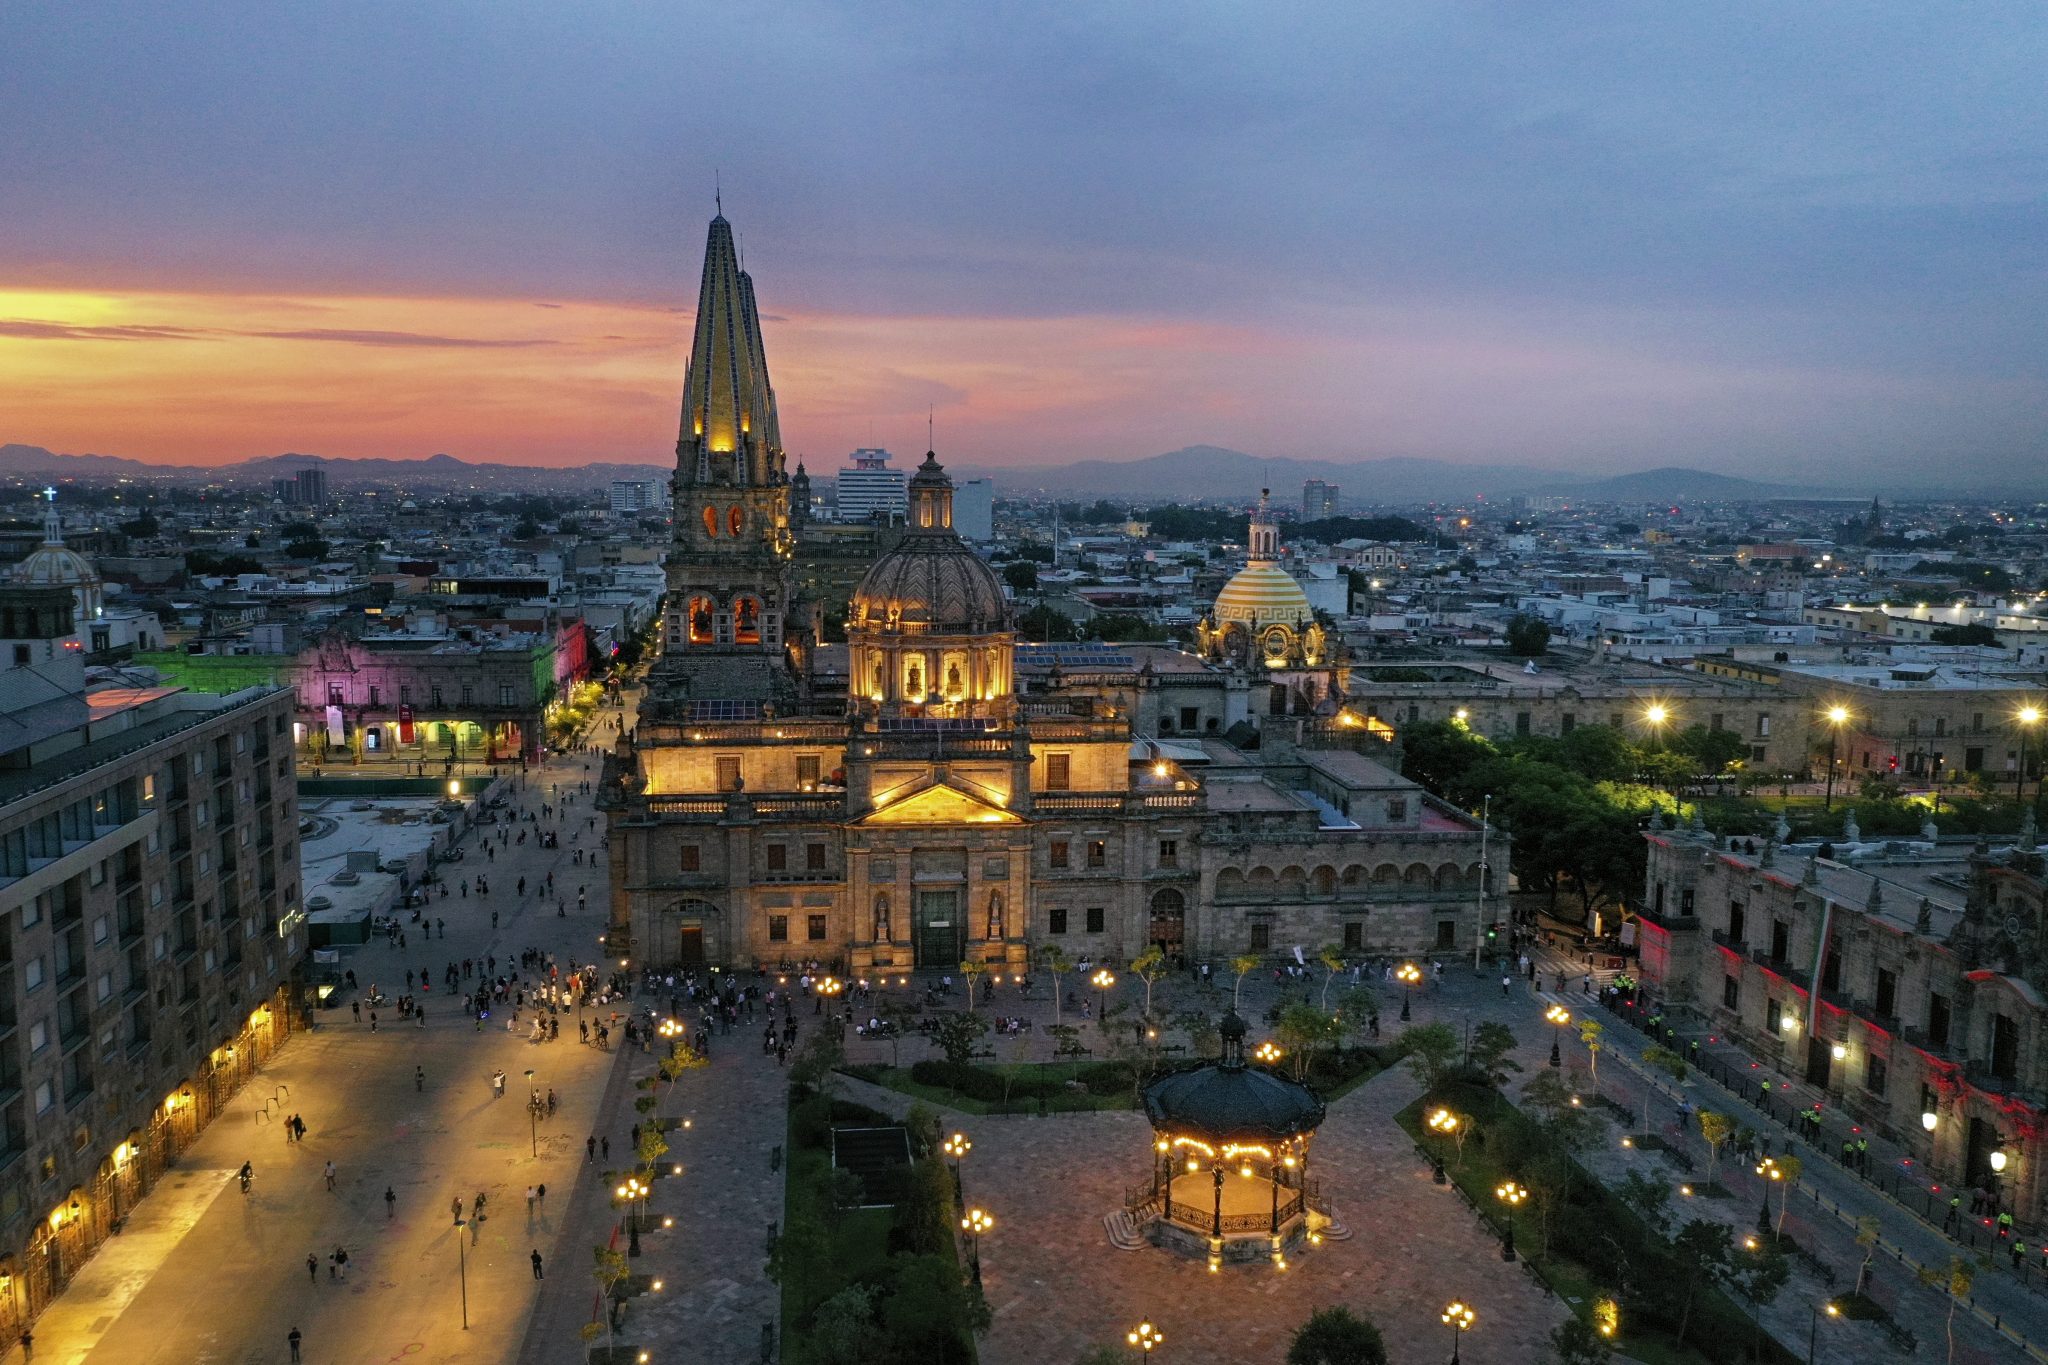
(1243, 966)
(1303, 1031)
(1528, 636)
(1488, 1053)
(1199, 1029)
(1975, 633)
(1148, 967)
(956, 1035)
(815, 1063)
(1577, 1342)
(1791, 1166)
(1715, 1130)
(1332, 958)
(142, 527)
(974, 972)
(1359, 1010)
(1589, 1034)
(844, 1325)
(1867, 1230)
(1649, 1197)
(1558, 1112)
(1707, 1247)
(1021, 574)
(1055, 960)
(1336, 1336)
(1431, 1050)
(1672, 1065)
(1958, 1280)
(611, 1272)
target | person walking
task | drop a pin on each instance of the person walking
(536, 1264)
(590, 1149)
(312, 1267)
(390, 1203)
(292, 1339)
(419, 1078)
(330, 1177)
(529, 1201)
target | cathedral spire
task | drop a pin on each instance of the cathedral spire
(729, 434)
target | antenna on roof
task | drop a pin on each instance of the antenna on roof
(717, 192)
(930, 420)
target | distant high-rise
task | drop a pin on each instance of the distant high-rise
(871, 486)
(974, 510)
(633, 496)
(313, 487)
(1318, 499)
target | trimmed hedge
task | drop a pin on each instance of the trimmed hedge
(991, 1087)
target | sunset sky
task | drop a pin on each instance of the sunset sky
(1752, 238)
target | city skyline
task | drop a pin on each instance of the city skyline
(1740, 242)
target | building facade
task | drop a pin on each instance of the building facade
(1318, 500)
(150, 919)
(1927, 1023)
(941, 812)
(869, 488)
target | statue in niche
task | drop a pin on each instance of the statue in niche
(915, 680)
(953, 679)
(881, 925)
(878, 678)
(995, 914)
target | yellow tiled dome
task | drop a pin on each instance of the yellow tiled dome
(1262, 594)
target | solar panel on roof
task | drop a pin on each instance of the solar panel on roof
(934, 725)
(724, 708)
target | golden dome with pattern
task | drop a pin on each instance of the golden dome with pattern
(1262, 593)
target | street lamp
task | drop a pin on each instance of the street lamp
(2028, 717)
(1512, 1195)
(1558, 1016)
(1836, 715)
(631, 1192)
(1267, 1054)
(956, 1147)
(1813, 1326)
(1144, 1339)
(1654, 715)
(1768, 1170)
(1459, 1317)
(974, 1225)
(1102, 981)
(1444, 1122)
(1407, 975)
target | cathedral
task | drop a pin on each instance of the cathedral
(933, 791)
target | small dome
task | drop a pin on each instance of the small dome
(55, 566)
(1217, 1102)
(931, 581)
(1261, 594)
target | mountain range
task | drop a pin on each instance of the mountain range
(1195, 473)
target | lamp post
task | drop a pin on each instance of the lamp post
(1512, 1195)
(2028, 717)
(974, 1225)
(1102, 981)
(1459, 1317)
(630, 1193)
(462, 1268)
(956, 1147)
(1444, 1122)
(1558, 1016)
(1813, 1326)
(1836, 716)
(1407, 974)
(1144, 1339)
(1768, 1170)
(1654, 715)
(532, 1115)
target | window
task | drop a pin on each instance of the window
(335, 695)
(103, 987)
(32, 912)
(778, 858)
(778, 928)
(1169, 853)
(1522, 723)
(1731, 993)
(1397, 809)
(1887, 992)
(1446, 933)
(32, 973)
(688, 858)
(1763, 725)
(103, 929)
(1262, 937)
(434, 695)
(814, 857)
(1773, 1015)
(1098, 853)
(504, 694)
(1781, 940)
(1685, 902)
(806, 772)
(1831, 971)
(1874, 1073)
(1094, 919)
(728, 772)
(1056, 853)
(376, 697)
(1937, 1020)
(817, 928)
(1190, 718)
(1354, 934)
(404, 694)
(1567, 723)
(1057, 917)
(1735, 922)
(46, 1096)
(468, 695)
(38, 1035)
(1058, 772)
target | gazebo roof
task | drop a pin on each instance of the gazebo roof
(1227, 1101)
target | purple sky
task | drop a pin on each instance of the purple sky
(1755, 238)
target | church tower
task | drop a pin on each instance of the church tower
(728, 563)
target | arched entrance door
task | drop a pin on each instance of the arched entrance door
(1169, 920)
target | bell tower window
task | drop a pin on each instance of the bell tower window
(711, 522)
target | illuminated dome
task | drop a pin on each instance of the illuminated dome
(54, 564)
(1261, 593)
(931, 581)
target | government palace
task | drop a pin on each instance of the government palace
(935, 791)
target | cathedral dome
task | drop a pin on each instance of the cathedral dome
(1261, 594)
(53, 564)
(931, 582)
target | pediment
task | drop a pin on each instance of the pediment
(941, 803)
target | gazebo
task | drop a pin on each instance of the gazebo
(1229, 1160)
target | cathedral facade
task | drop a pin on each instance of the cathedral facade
(942, 808)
